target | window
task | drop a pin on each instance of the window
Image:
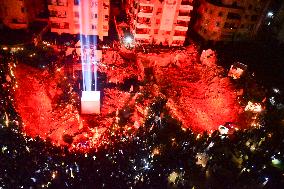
(159, 10)
(143, 20)
(76, 14)
(14, 20)
(94, 27)
(217, 24)
(66, 25)
(156, 31)
(94, 15)
(62, 14)
(254, 18)
(142, 31)
(53, 13)
(180, 33)
(55, 25)
(61, 2)
(183, 13)
(106, 6)
(168, 32)
(158, 21)
(146, 9)
(227, 25)
(106, 17)
(220, 14)
(233, 16)
(94, 4)
(250, 6)
(182, 23)
(76, 2)
(22, 9)
(230, 25)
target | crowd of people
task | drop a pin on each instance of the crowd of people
(156, 157)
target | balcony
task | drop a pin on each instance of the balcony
(178, 38)
(142, 25)
(185, 7)
(146, 4)
(142, 36)
(183, 18)
(181, 28)
(146, 15)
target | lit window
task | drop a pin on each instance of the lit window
(94, 4)
(93, 15)
(76, 2)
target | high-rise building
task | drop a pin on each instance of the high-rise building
(229, 20)
(160, 22)
(88, 17)
(18, 14)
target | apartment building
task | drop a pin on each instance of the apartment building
(18, 14)
(279, 17)
(229, 20)
(160, 22)
(88, 17)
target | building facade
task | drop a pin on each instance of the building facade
(280, 23)
(229, 20)
(88, 17)
(160, 22)
(18, 14)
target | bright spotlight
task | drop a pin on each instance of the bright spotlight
(128, 40)
(270, 14)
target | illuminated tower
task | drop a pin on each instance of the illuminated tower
(160, 22)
